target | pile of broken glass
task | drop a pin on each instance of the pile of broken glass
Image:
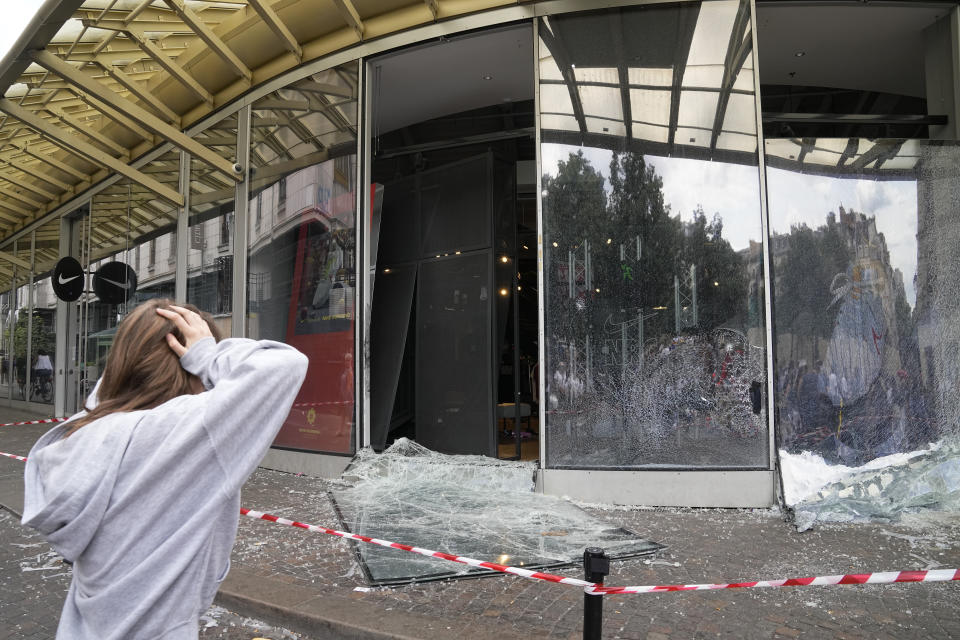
(881, 490)
(464, 505)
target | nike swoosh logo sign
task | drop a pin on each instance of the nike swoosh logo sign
(62, 281)
(122, 285)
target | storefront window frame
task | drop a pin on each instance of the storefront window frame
(362, 52)
(250, 208)
(574, 6)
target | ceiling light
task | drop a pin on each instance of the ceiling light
(800, 54)
(488, 77)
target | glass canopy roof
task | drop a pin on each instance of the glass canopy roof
(96, 84)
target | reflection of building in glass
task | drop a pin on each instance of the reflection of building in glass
(848, 377)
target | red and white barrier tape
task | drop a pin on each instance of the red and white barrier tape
(525, 573)
(886, 577)
(882, 577)
(44, 421)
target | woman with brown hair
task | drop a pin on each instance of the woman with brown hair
(141, 492)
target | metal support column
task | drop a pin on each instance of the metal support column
(364, 229)
(63, 336)
(240, 226)
(183, 231)
(12, 324)
(29, 373)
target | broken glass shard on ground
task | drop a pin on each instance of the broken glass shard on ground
(471, 506)
(922, 480)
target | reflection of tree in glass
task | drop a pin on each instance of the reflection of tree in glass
(624, 250)
(637, 247)
(575, 201)
(638, 215)
(721, 277)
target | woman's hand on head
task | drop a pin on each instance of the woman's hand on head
(191, 325)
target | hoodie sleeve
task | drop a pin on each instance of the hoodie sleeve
(93, 398)
(251, 386)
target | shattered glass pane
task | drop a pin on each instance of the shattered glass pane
(867, 313)
(472, 506)
(866, 310)
(653, 257)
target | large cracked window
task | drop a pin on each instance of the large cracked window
(653, 258)
(867, 316)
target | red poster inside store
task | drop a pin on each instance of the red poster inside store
(320, 324)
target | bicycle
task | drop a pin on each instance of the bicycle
(42, 388)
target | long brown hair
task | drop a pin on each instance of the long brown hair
(142, 371)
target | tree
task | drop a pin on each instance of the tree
(720, 274)
(638, 215)
(41, 339)
(574, 206)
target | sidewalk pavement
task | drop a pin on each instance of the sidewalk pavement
(310, 584)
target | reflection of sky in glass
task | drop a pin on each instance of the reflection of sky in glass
(731, 190)
(807, 199)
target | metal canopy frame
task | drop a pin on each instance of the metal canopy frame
(134, 77)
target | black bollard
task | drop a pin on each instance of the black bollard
(596, 565)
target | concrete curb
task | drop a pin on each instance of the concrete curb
(336, 617)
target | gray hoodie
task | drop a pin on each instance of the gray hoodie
(146, 504)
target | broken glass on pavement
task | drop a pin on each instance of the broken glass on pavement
(464, 505)
(928, 480)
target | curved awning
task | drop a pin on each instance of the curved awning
(92, 85)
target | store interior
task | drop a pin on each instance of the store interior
(454, 305)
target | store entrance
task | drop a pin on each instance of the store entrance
(453, 324)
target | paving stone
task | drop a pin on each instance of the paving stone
(704, 545)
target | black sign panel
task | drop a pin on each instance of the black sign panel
(115, 282)
(68, 279)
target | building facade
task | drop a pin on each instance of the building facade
(647, 244)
